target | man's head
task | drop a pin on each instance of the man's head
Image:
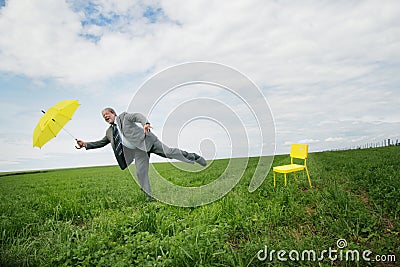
(109, 115)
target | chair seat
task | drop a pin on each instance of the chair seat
(289, 168)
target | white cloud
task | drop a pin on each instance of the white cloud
(334, 139)
(45, 40)
(285, 45)
(308, 141)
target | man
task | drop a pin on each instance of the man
(132, 142)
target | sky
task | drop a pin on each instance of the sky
(329, 70)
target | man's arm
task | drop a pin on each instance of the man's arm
(138, 117)
(95, 144)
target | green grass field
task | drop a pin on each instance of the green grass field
(99, 217)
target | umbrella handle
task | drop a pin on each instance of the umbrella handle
(77, 147)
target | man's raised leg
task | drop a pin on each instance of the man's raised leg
(175, 153)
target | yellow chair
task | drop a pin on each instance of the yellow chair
(297, 151)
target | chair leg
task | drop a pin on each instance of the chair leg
(285, 179)
(294, 174)
(274, 179)
(309, 180)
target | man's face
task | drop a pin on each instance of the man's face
(108, 116)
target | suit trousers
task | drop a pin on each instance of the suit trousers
(141, 159)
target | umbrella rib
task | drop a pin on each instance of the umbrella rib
(52, 131)
(62, 127)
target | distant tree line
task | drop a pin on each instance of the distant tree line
(383, 143)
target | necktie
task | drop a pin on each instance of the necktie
(118, 151)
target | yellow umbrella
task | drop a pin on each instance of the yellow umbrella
(53, 121)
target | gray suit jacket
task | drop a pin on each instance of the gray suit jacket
(131, 131)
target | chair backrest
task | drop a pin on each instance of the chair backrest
(299, 151)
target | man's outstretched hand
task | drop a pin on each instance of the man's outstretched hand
(80, 144)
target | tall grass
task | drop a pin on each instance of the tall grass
(99, 216)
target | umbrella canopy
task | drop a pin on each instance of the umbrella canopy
(53, 121)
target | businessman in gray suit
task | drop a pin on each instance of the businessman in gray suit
(131, 142)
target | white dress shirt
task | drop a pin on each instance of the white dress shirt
(125, 141)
